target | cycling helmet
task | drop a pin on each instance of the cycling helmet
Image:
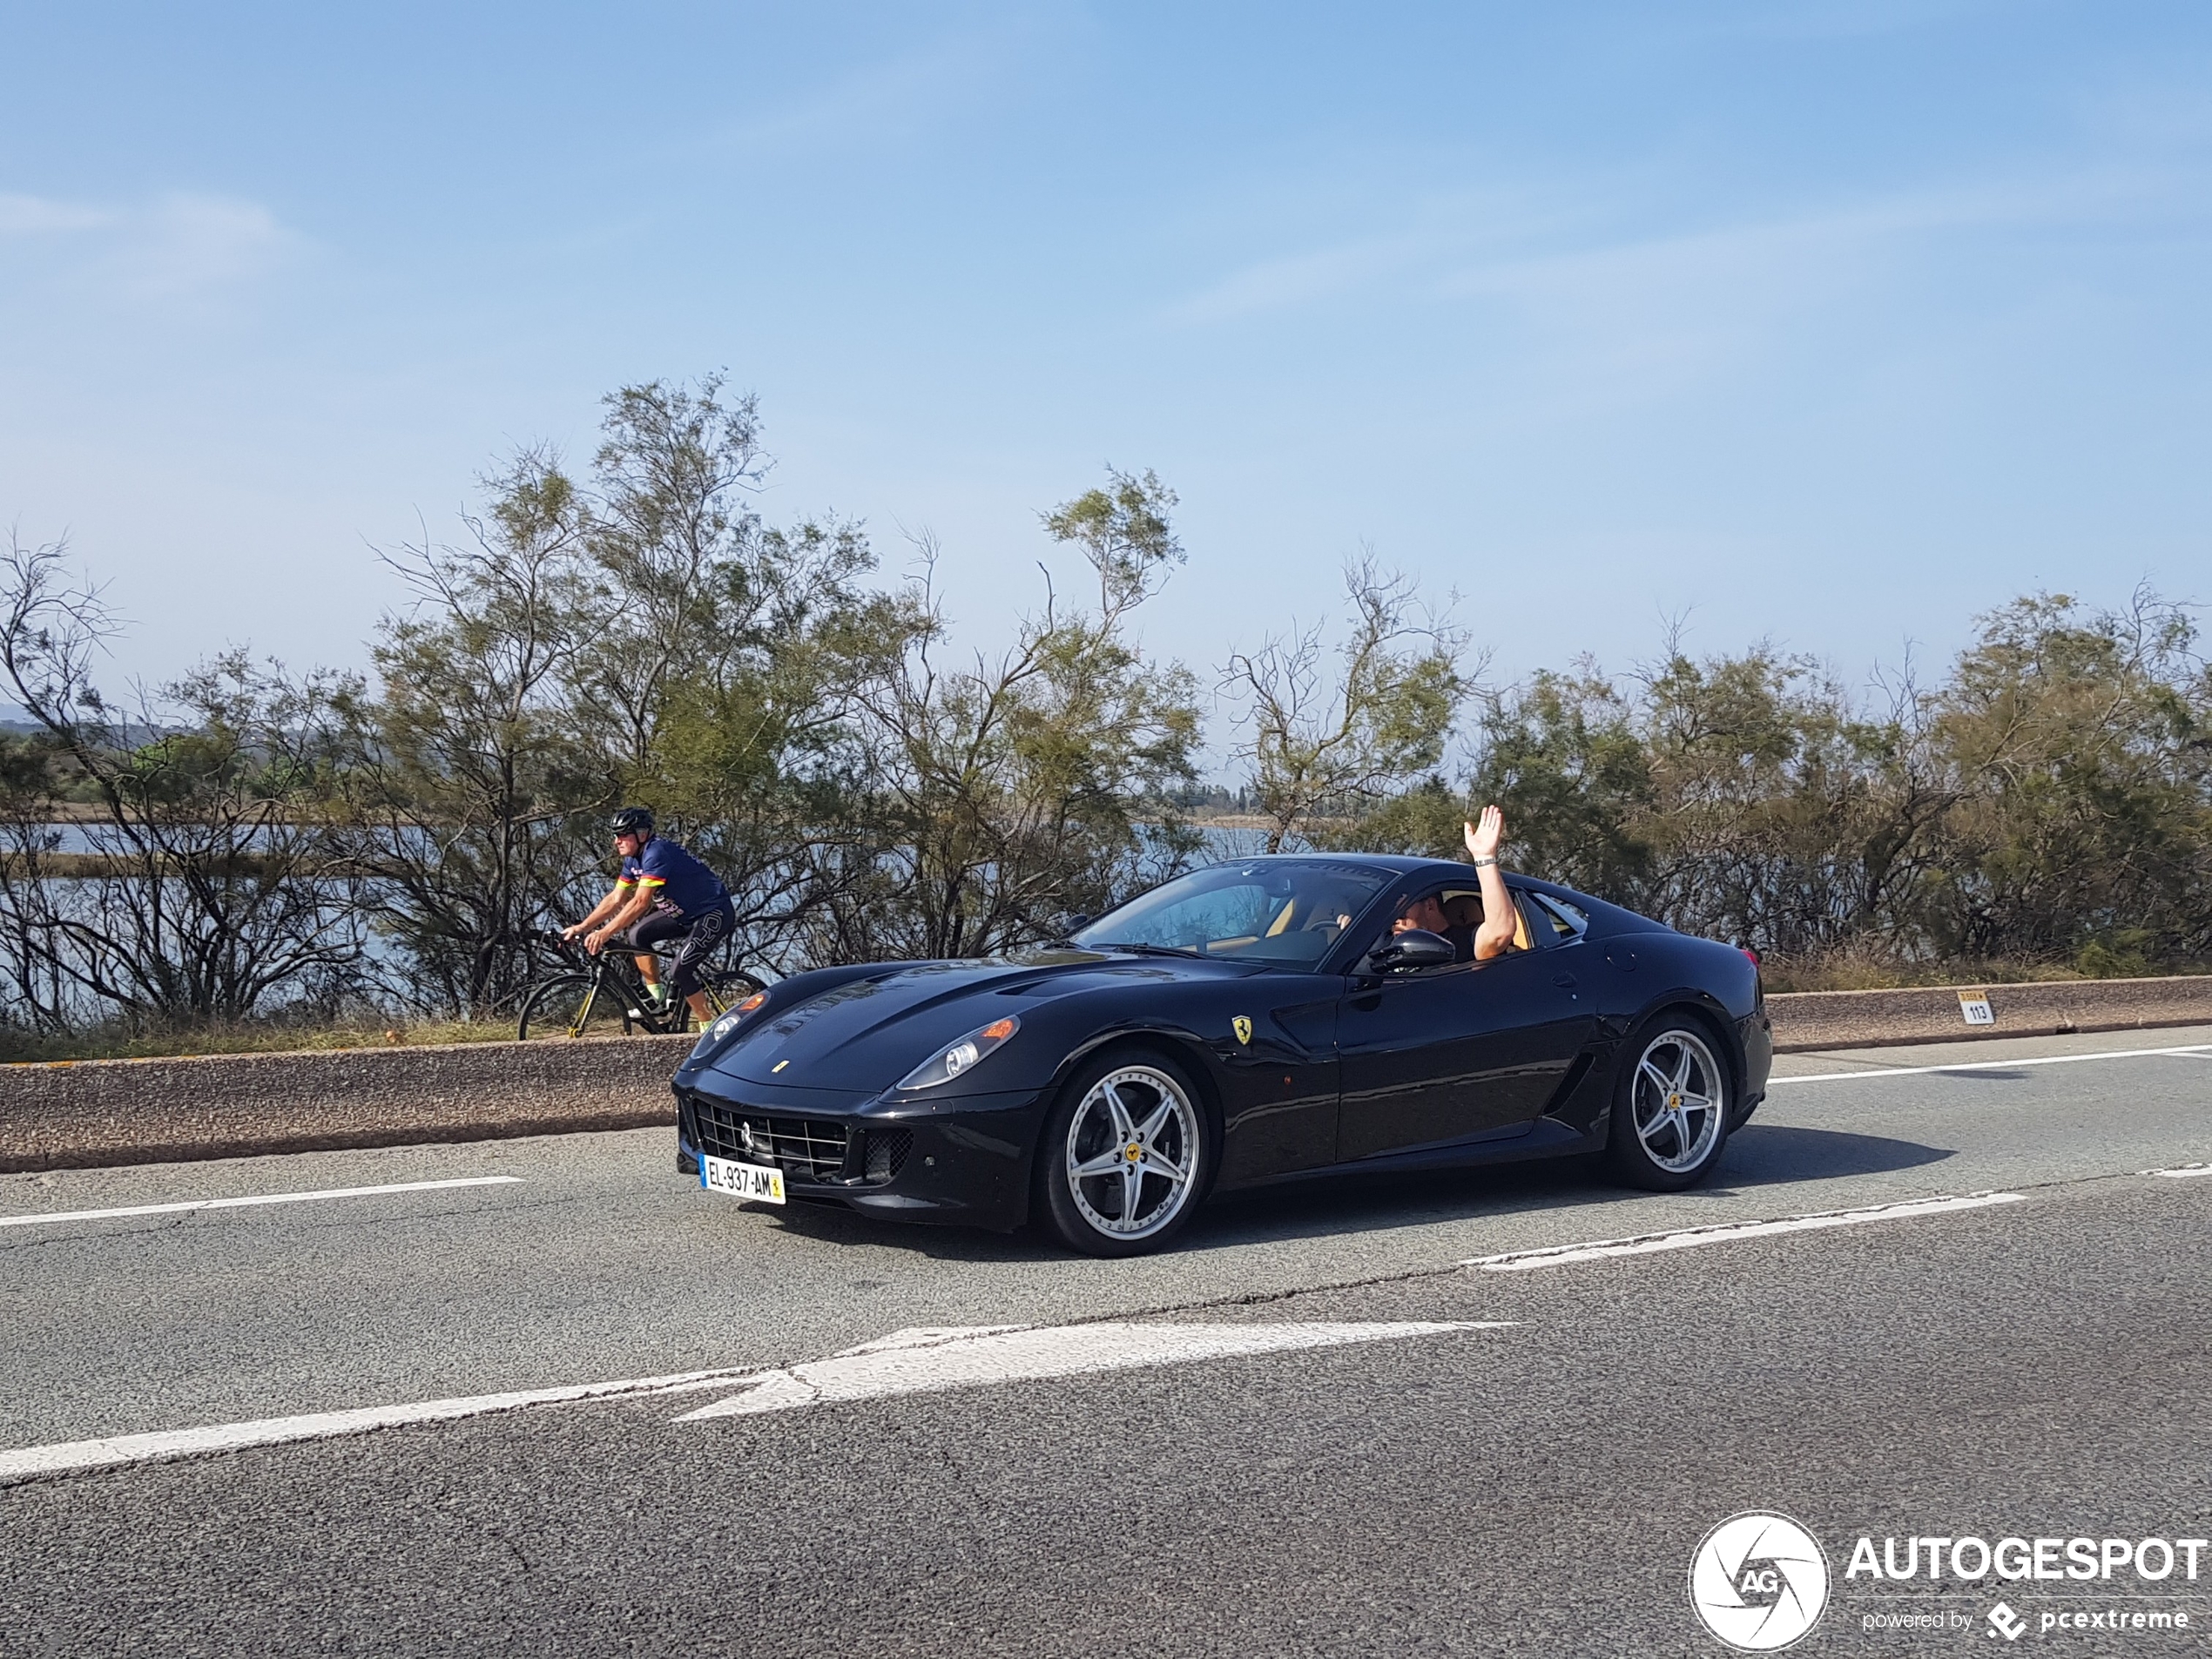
(632, 821)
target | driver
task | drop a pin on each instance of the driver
(1427, 914)
(1474, 938)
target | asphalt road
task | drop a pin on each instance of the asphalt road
(2040, 1366)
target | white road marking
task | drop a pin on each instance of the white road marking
(932, 1361)
(270, 1198)
(1521, 1261)
(905, 1362)
(2200, 1049)
(318, 1425)
(2186, 1172)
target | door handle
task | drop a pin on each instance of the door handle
(1565, 982)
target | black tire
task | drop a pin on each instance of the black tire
(551, 1010)
(1671, 1102)
(1127, 1088)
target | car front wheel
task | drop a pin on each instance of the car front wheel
(1125, 1157)
(1670, 1108)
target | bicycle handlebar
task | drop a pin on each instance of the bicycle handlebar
(554, 937)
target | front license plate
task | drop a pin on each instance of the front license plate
(753, 1181)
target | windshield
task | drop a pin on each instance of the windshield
(1283, 911)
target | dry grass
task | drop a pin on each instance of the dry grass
(1844, 971)
(1851, 971)
(22, 1049)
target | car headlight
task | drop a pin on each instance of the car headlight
(716, 1035)
(954, 1058)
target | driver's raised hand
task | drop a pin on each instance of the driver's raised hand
(1484, 835)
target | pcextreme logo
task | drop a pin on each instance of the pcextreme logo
(1759, 1581)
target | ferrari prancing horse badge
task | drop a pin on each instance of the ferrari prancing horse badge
(1243, 1027)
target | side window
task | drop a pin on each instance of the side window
(1556, 921)
(1429, 910)
(1457, 913)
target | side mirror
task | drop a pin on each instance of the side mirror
(1071, 922)
(1415, 947)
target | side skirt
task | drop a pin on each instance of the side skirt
(1547, 1138)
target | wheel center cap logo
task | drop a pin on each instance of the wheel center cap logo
(1759, 1582)
(1134, 1150)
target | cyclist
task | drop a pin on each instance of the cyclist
(663, 892)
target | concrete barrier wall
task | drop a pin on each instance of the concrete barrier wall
(89, 1113)
(1931, 1014)
(93, 1112)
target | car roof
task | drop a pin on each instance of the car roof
(1387, 861)
(1617, 917)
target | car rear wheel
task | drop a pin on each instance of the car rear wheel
(1125, 1157)
(1670, 1108)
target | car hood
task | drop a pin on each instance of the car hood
(867, 1033)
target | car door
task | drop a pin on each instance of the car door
(1278, 1079)
(1468, 1052)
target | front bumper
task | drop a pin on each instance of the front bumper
(963, 1161)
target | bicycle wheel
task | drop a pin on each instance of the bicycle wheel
(566, 1006)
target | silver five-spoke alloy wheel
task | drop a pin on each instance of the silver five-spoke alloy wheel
(1132, 1152)
(1679, 1102)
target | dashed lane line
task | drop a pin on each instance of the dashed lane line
(2198, 1049)
(267, 1197)
(1522, 1261)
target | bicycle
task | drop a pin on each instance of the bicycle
(599, 992)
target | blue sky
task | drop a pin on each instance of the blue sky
(1831, 323)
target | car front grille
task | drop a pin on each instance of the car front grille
(804, 1148)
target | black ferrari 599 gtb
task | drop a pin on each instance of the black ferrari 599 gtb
(1262, 1021)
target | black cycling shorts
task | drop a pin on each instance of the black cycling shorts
(702, 935)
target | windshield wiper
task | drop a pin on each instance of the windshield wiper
(1153, 950)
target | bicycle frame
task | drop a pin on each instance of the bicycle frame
(612, 972)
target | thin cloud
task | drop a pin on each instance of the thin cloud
(194, 243)
(179, 244)
(1300, 279)
(36, 215)
(1576, 322)
(1432, 234)
(894, 96)
(1475, 249)
(1758, 250)
(1637, 319)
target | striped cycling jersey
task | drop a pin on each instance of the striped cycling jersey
(673, 879)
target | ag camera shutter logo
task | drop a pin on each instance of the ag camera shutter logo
(1759, 1582)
